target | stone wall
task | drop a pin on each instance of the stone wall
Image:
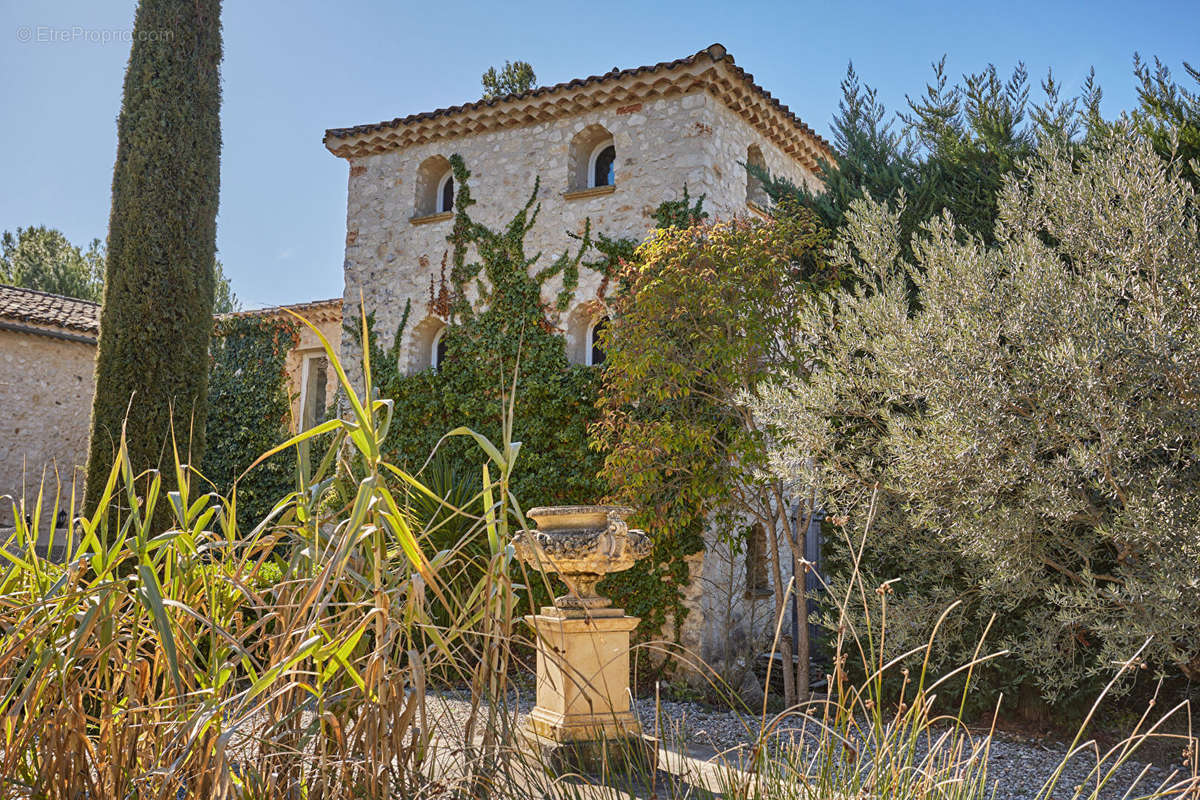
(729, 622)
(46, 387)
(396, 240)
(394, 245)
(727, 147)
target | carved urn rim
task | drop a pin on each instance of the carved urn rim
(581, 544)
(566, 511)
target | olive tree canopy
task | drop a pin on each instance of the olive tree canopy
(1032, 420)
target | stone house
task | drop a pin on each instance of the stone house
(47, 372)
(608, 148)
(312, 383)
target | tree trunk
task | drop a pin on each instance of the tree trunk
(1031, 706)
(802, 645)
(789, 674)
(795, 534)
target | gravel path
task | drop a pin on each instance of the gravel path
(1017, 768)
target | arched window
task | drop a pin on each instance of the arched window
(427, 348)
(756, 194)
(601, 166)
(435, 187)
(445, 194)
(591, 159)
(437, 349)
(595, 342)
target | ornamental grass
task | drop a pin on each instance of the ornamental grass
(310, 656)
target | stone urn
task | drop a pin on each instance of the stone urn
(583, 719)
(581, 544)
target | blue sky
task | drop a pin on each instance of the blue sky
(293, 69)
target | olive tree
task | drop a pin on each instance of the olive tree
(1030, 416)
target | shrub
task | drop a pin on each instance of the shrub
(286, 658)
(500, 344)
(697, 329)
(249, 410)
(503, 342)
(1034, 425)
(196, 663)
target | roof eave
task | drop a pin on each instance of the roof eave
(704, 71)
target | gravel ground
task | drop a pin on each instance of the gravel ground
(1018, 768)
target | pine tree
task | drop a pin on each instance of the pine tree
(41, 258)
(513, 78)
(1170, 114)
(152, 366)
(870, 158)
(955, 145)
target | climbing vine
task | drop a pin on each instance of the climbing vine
(509, 329)
(249, 408)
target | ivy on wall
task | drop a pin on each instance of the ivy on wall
(249, 408)
(507, 330)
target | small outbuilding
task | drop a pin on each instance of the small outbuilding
(47, 378)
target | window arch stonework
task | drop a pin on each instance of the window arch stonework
(586, 148)
(432, 177)
(426, 336)
(578, 329)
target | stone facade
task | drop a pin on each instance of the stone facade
(46, 387)
(692, 122)
(47, 379)
(312, 383)
(394, 249)
(730, 617)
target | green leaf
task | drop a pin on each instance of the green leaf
(150, 593)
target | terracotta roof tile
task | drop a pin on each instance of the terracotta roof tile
(42, 308)
(716, 52)
(303, 309)
(36, 308)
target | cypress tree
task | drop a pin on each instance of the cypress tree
(156, 320)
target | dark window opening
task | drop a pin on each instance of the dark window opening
(597, 354)
(758, 583)
(603, 173)
(314, 393)
(756, 193)
(439, 351)
(446, 203)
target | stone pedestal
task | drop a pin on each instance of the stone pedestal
(583, 719)
(582, 675)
